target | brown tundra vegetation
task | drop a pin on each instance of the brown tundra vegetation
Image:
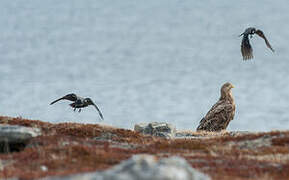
(70, 148)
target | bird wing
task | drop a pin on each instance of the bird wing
(99, 112)
(70, 97)
(246, 48)
(261, 34)
(217, 116)
(57, 100)
(218, 108)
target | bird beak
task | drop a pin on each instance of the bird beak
(233, 86)
(241, 34)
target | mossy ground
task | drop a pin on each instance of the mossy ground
(68, 148)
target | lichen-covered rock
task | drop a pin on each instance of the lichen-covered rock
(160, 129)
(145, 167)
(14, 138)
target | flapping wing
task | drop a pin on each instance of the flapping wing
(246, 48)
(99, 112)
(261, 34)
(70, 97)
(57, 100)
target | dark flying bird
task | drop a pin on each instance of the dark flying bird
(246, 48)
(221, 113)
(78, 102)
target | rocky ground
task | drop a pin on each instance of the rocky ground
(56, 151)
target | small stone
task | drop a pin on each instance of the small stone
(43, 168)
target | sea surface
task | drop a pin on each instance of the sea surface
(144, 61)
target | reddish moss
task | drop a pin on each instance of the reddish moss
(280, 141)
(181, 145)
(68, 148)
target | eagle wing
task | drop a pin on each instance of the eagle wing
(218, 117)
(246, 48)
(261, 34)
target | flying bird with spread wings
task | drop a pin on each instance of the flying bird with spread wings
(246, 48)
(78, 102)
(220, 115)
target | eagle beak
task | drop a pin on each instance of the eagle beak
(241, 34)
(233, 86)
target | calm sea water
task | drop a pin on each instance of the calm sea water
(143, 61)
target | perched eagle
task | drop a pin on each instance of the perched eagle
(246, 48)
(220, 115)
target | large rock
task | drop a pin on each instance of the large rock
(145, 167)
(160, 129)
(15, 138)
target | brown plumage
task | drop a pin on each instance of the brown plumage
(246, 48)
(221, 113)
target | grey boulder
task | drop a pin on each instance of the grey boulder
(15, 138)
(160, 129)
